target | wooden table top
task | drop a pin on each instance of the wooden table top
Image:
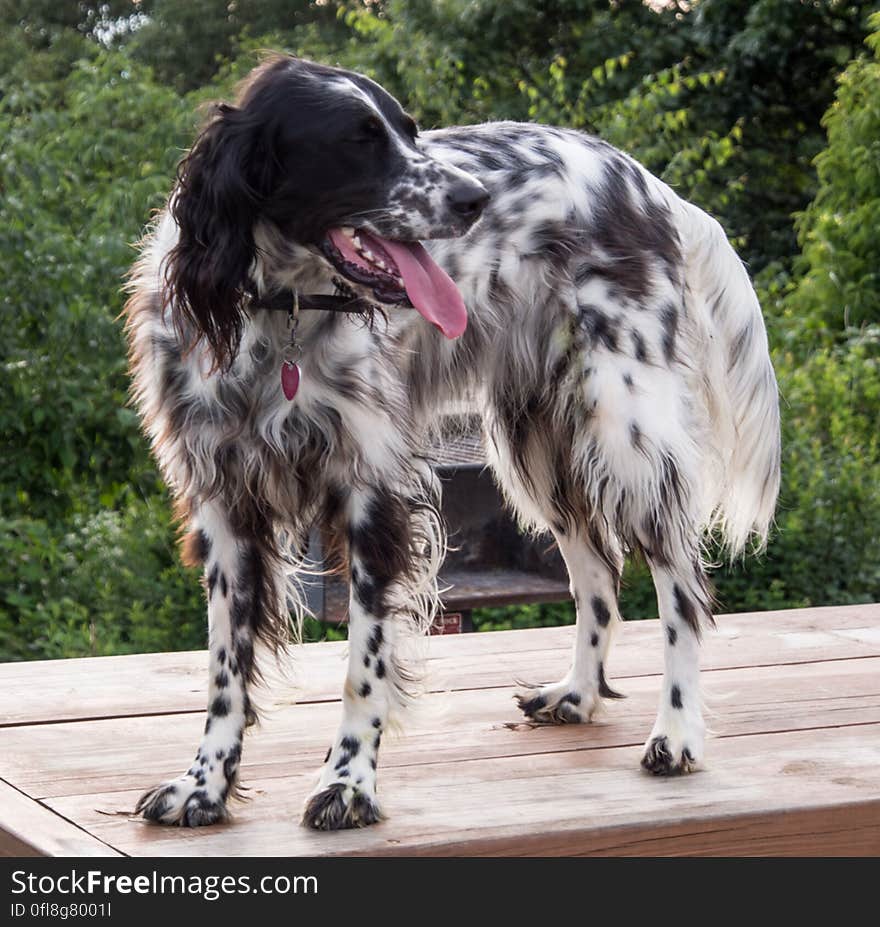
(793, 766)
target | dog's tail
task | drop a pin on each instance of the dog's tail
(745, 400)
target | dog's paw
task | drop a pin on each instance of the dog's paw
(339, 806)
(674, 747)
(183, 801)
(559, 703)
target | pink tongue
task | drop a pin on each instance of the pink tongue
(429, 287)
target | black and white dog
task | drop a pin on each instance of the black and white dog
(607, 329)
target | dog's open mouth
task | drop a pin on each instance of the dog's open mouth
(398, 272)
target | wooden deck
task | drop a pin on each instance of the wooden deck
(793, 768)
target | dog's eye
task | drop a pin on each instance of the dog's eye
(370, 130)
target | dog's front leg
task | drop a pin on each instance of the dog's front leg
(242, 588)
(383, 526)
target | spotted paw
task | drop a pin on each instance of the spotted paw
(661, 759)
(183, 801)
(339, 806)
(556, 704)
(675, 745)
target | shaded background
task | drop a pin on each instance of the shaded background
(765, 113)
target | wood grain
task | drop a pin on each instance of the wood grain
(567, 803)
(100, 687)
(102, 756)
(793, 767)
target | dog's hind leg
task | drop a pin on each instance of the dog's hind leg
(534, 463)
(244, 589)
(594, 579)
(395, 544)
(675, 744)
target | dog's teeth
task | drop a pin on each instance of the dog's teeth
(369, 255)
(356, 241)
(379, 263)
(348, 231)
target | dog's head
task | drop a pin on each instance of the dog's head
(330, 162)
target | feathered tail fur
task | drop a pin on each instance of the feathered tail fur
(745, 396)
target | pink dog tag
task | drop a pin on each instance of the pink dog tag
(289, 379)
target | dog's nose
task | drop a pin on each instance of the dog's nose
(468, 200)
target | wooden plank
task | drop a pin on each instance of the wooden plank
(110, 755)
(62, 690)
(30, 829)
(788, 792)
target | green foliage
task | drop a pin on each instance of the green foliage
(824, 547)
(107, 582)
(723, 98)
(839, 295)
(81, 164)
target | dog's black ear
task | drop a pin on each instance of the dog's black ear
(222, 184)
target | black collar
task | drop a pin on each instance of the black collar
(285, 301)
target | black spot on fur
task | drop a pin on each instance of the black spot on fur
(366, 689)
(377, 636)
(628, 381)
(740, 344)
(366, 592)
(676, 697)
(380, 669)
(212, 579)
(220, 707)
(601, 611)
(604, 689)
(202, 547)
(381, 541)
(641, 351)
(601, 328)
(685, 608)
(221, 656)
(174, 389)
(669, 320)
(377, 722)
(594, 639)
(671, 635)
(224, 585)
(635, 436)
(352, 744)
(221, 680)
(244, 654)
(554, 242)
(230, 764)
(571, 697)
(660, 523)
(632, 232)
